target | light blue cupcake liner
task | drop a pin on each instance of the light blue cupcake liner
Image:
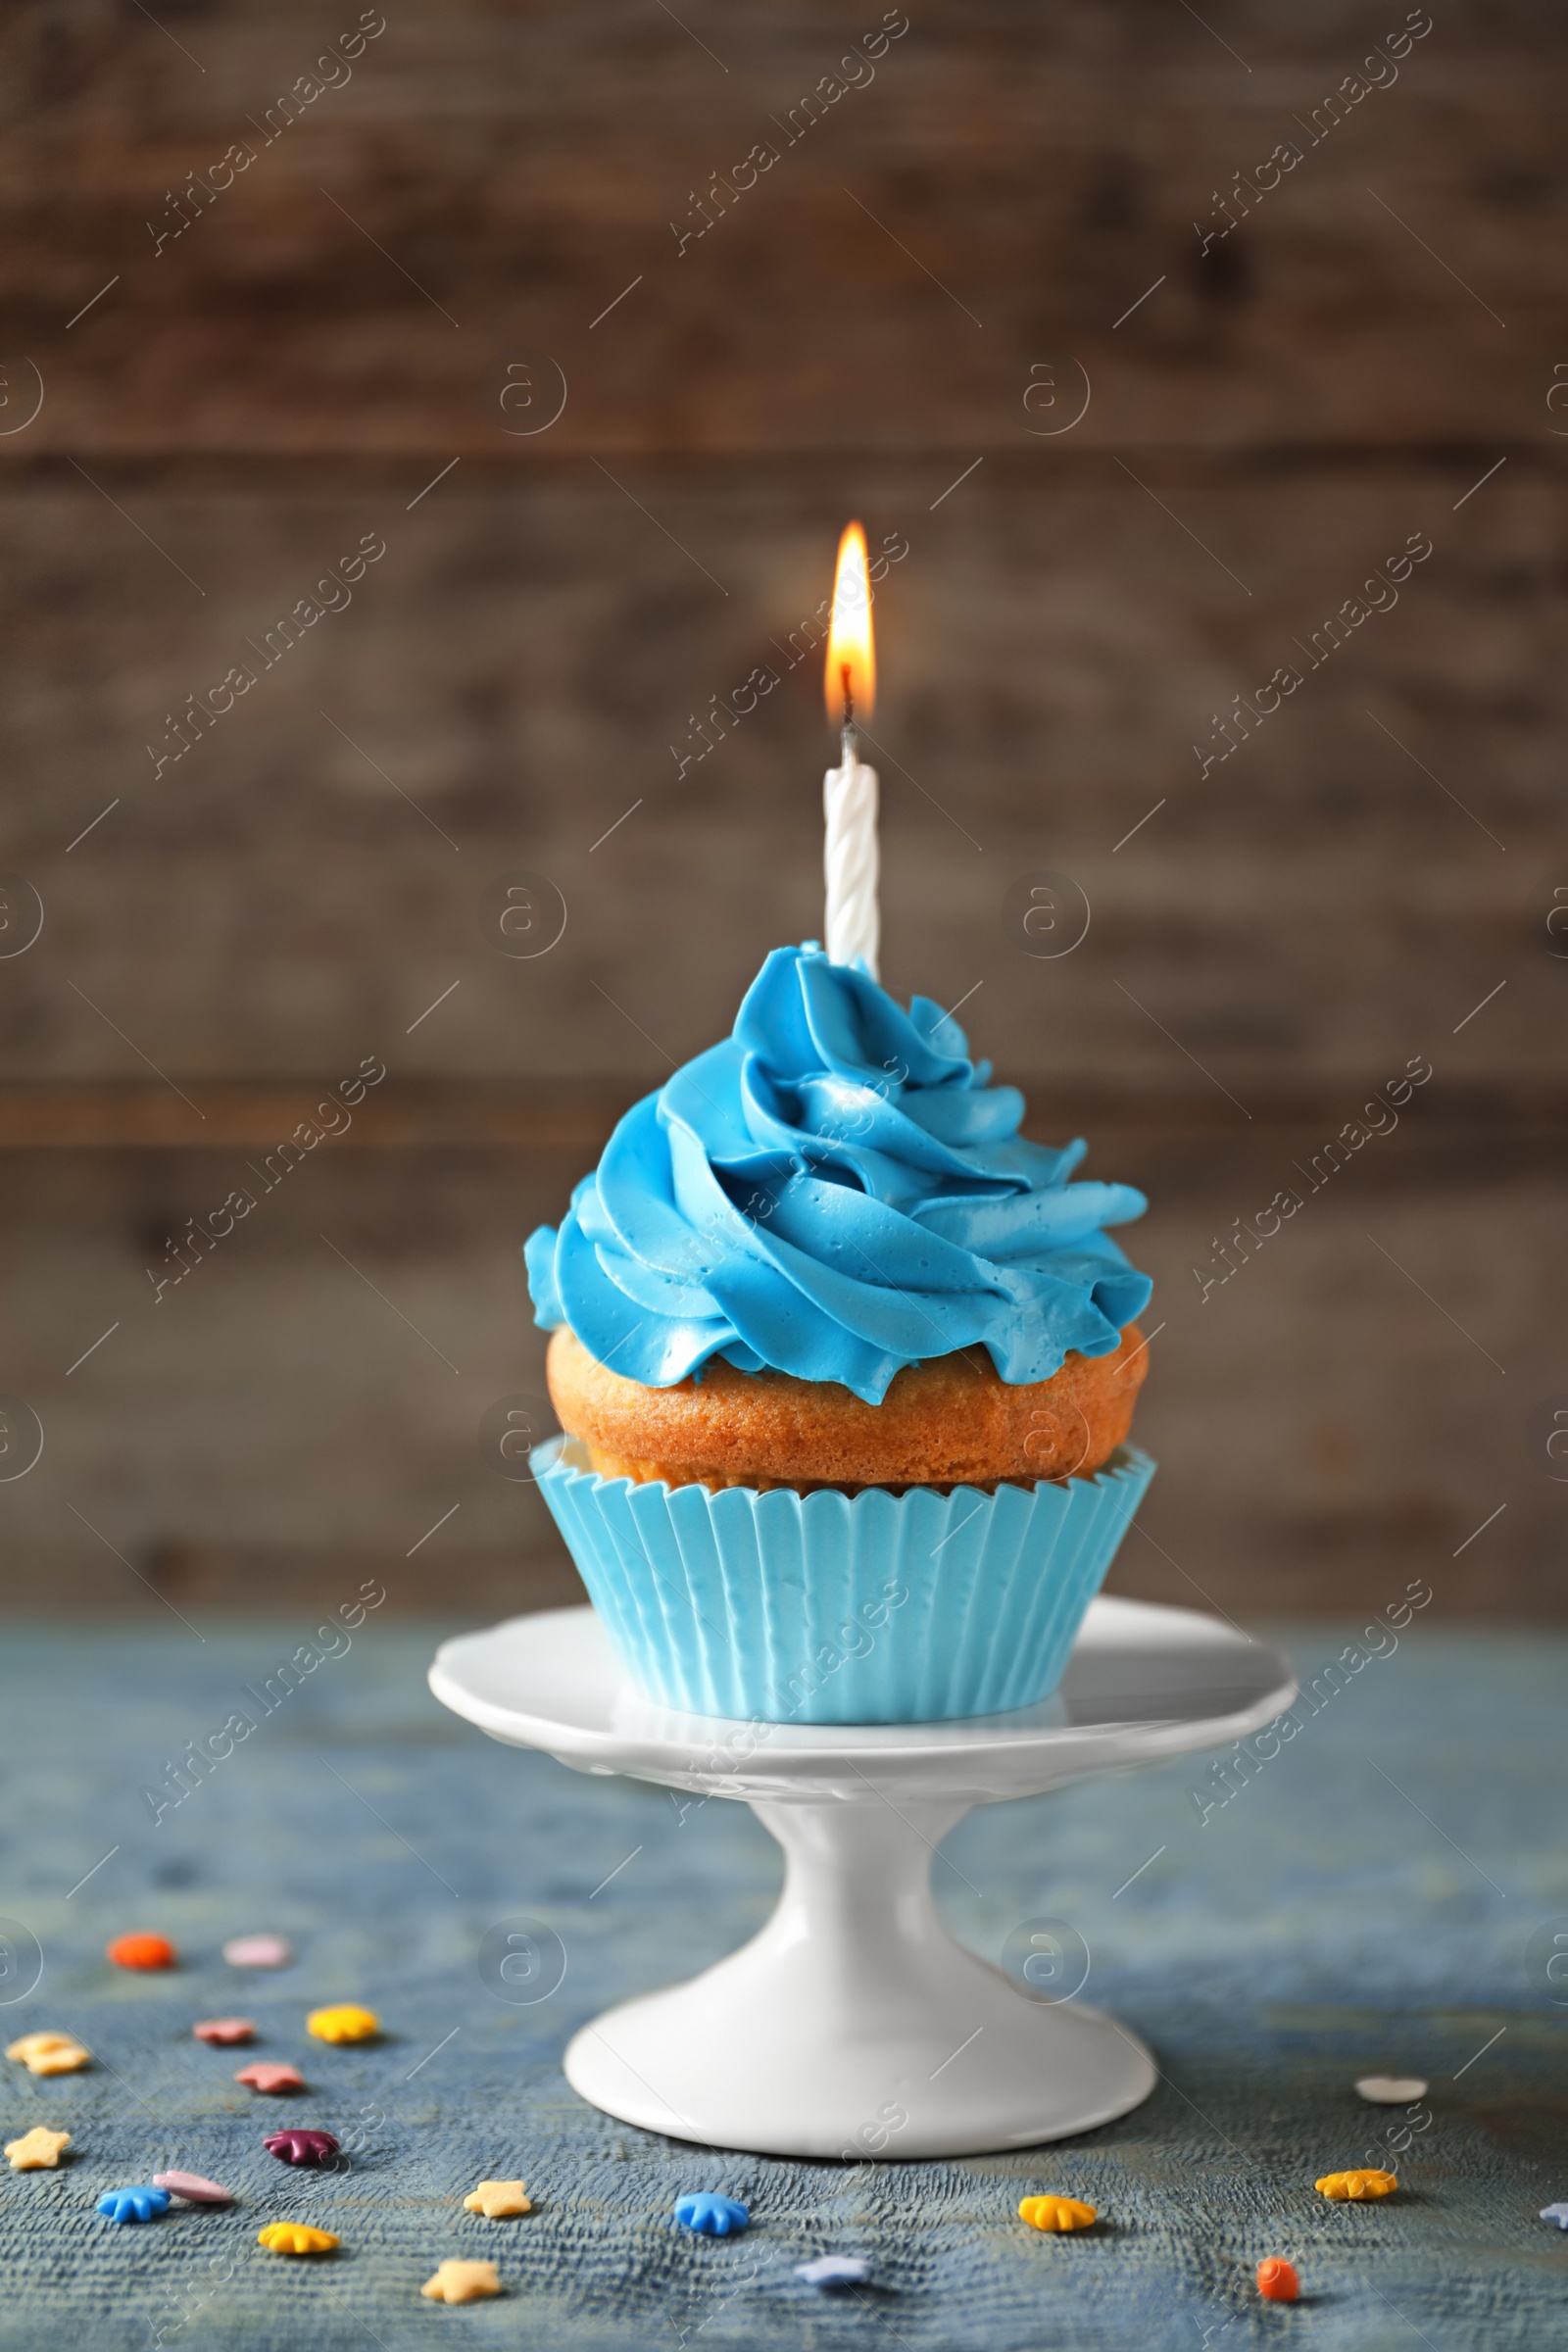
(781, 1608)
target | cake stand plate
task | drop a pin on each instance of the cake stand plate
(854, 2025)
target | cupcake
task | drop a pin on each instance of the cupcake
(845, 1368)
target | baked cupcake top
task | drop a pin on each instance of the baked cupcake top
(835, 1191)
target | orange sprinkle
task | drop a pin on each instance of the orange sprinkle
(1277, 2281)
(142, 1951)
(1057, 2213)
(1352, 2187)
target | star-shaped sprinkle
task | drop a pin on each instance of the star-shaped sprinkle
(31, 2044)
(462, 2282)
(713, 2216)
(257, 1951)
(1353, 2188)
(264, 2075)
(133, 2204)
(224, 2028)
(194, 2188)
(345, 2023)
(296, 2237)
(37, 2150)
(69, 2061)
(1558, 2213)
(1056, 2213)
(834, 2270)
(496, 2199)
(301, 2147)
(50, 2053)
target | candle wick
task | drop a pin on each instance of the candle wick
(851, 738)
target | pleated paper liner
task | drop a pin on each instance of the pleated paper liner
(827, 1607)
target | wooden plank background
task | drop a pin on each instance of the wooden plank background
(360, 341)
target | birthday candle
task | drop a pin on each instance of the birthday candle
(853, 923)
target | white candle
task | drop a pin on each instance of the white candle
(850, 859)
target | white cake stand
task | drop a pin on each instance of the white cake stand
(854, 2025)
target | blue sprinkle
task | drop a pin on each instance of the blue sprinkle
(1558, 2213)
(713, 2215)
(133, 2204)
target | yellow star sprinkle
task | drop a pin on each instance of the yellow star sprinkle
(67, 2061)
(343, 2023)
(37, 2150)
(1056, 2213)
(30, 2043)
(49, 2053)
(296, 2237)
(1352, 2187)
(461, 2282)
(496, 2199)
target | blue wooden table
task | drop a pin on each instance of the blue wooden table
(1360, 1901)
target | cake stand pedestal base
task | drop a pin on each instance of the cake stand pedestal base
(854, 2026)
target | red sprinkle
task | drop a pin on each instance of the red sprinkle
(1277, 2281)
(301, 2147)
(264, 2075)
(143, 1951)
(225, 2030)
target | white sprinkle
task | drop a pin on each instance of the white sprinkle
(1392, 2091)
(834, 2270)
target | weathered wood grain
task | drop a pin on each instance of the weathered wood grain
(506, 686)
(1032, 173)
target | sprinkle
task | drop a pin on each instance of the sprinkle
(1056, 2213)
(31, 2043)
(257, 1951)
(497, 2199)
(462, 2282)
(266, 2074)
(714, 2215)
(834, 2270)
(1277, 2281)
(37, 2150)
(143, 1951)
(194, 2188)
(296, 2237)
(343, 2023)
(133, 2204)
(1392, 2091)
(224, 2028)
(300, 2147)
(50, 2053)
(1354, 2187)
(1558, 2213)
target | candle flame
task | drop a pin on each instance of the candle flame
(851, 679)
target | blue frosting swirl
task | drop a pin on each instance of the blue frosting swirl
(836, 1192)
